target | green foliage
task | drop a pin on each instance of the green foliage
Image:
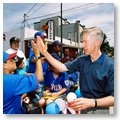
(105, 47)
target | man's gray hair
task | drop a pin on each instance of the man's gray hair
(97, 32)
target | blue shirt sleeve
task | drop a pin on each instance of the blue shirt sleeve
(31, 54)
(74, 65)
(24, 84)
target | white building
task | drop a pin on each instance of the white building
(26, 35)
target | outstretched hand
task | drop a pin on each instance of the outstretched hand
(35, 49)
(41, 46)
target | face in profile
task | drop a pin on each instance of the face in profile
(88, 44)
(57, 48)
(10, 65)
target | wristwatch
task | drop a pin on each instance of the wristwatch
(37, 57)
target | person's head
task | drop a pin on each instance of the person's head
(57, 46)
(53, 68)
(92, 39)
(14, 43)
(43, 35)
(20, 63)
(9, 64)
(67, 52)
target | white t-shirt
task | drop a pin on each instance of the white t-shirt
(19, 53)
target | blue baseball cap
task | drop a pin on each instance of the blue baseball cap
(56, 42)
(7, 56)
(40, 34)
(78, 93)
(52, 108)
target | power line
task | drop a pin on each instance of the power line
(68, 10)
(13, 25)
(24, 23)
(64, 11)
(37, 9)
(32, 7)
(82, 7)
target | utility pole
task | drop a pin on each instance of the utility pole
(25, 21)
(61, 25)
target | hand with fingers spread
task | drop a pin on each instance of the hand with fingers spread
(42, 47)
(35, 48)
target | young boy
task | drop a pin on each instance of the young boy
(57, 85)
(22, 69)
(15, 85)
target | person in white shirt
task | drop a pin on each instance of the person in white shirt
(14, 44)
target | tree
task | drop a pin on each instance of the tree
(105, 47)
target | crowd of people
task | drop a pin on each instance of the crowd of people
(30, 86)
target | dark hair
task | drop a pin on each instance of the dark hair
(14, 39)
(19, 61)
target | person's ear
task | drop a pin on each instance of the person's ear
(4, 66)
(97, 43)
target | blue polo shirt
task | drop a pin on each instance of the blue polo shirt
(96, 78)
(13, 87)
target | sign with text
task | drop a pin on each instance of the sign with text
(51, 29)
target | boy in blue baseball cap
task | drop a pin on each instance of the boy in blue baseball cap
(41, 34)
(14, 85)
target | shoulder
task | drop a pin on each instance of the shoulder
(20, 51)
(17, 77)
(108, 60)
(81, 58)
(9, 51)
(64, 74)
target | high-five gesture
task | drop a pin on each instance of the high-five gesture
(35, 49)
(43, 50)
(42, 47)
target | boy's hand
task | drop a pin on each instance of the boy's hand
(41, 46)
(54, 94)
(35, 48)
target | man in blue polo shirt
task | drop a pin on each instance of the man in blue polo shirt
(96, 73)
(15, 85)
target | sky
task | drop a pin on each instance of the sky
(89, 14)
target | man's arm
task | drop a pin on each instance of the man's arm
(85, 103)
(105, 102)
(43, 49)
